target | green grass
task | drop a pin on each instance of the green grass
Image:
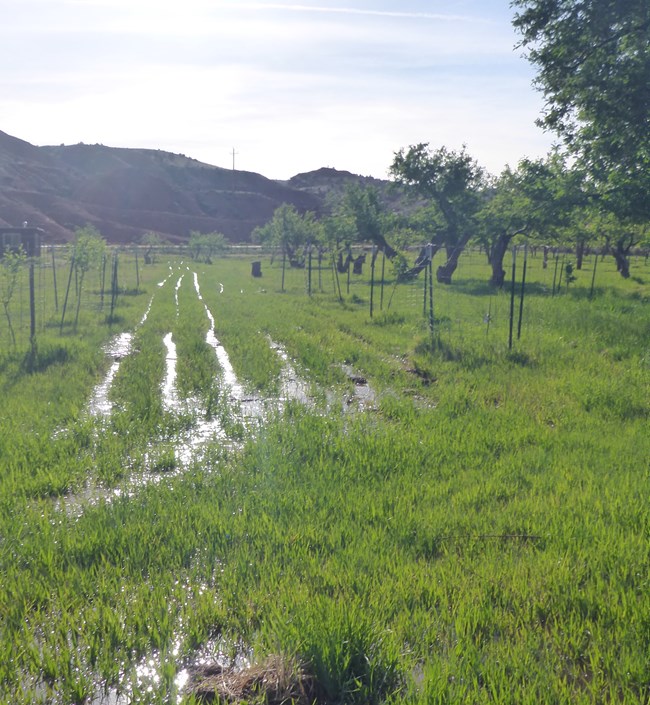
(482, 534)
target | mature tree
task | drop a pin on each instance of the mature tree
(584, 229)
(370, 220)
(203, 246)
(291, 232)
(504, 216)
(593, 58)
(453, 182)
(152, 241)
(538, 200)
(619, 242)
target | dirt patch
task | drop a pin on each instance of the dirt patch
(275, 681)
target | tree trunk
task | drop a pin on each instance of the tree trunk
(580, 253)
(379, 240)
(621, 254)
(497, 253)
(445, 272)
(622, 263)
(342, 265)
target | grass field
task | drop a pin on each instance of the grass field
(370, 512)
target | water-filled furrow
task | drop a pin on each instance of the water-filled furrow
(169, 458)
(168, 389)
(250, 405)
(292, 386)
(178, 286)
(117, 349)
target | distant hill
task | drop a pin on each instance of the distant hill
(327, 181)
(330, 184)
(127, 192)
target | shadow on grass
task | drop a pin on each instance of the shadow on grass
(439, 349)
(17, 364)
(472, 287)
(40, 358)
(521, 358)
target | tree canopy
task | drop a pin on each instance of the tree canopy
(452, 181)
(593, 58)
(203, 246)
(290, 231)
(364, 208)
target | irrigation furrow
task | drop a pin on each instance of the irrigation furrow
(164, 281)
(229, 376)
(292, 386)
(117, 349)
(169, 457)
(178, 286)
(168, 389)
(251, 406)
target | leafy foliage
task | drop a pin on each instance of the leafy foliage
(203, 246)
(453, 181)
(364, 208)
(11, 263)
(289, 230)
(87, 249)
(536, 200)
(594, 61)
(152, 241)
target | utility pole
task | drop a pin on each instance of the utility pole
(233, 158)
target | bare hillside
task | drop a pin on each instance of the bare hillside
(127, 192)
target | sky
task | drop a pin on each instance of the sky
(287, 87)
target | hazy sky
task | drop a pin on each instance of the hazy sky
(290, 87)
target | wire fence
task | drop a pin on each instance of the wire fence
(49, 294)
